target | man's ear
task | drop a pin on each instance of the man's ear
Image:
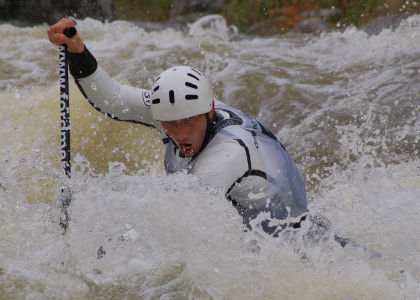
(211, 113)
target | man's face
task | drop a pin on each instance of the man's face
(188, 133)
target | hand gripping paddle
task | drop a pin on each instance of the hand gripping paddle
(66, 194)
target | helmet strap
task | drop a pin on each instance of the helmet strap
(208, 128)
(210, 124)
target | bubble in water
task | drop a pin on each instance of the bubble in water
(94, 126)
(185, 60)
(93, 86)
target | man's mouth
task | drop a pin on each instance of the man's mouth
(185, 147)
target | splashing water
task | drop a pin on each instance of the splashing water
(345, 105)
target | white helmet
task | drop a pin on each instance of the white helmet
(180, 93)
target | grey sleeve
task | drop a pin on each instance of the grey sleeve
(120, 102)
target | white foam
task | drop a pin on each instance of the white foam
(344, 105)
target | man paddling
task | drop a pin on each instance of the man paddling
(223, 146)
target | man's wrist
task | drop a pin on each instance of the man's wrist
(82, 64)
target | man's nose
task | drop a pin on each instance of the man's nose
(181, 133)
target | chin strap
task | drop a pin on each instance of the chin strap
(210, 124)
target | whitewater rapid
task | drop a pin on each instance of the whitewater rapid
(345, 105)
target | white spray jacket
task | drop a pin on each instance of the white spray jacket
(240, 154)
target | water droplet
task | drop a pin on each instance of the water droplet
(93, 86)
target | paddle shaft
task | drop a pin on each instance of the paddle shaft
(66, 193)
(65, 104)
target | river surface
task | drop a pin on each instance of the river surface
(346, 106)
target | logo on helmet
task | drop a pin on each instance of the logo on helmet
(146, 99)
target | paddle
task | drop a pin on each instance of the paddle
(66, 194)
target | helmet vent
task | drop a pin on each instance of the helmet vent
(191, 75)
(191, 85)
(156, 88)
(191, 97)
(156, 101)
(171, 97)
